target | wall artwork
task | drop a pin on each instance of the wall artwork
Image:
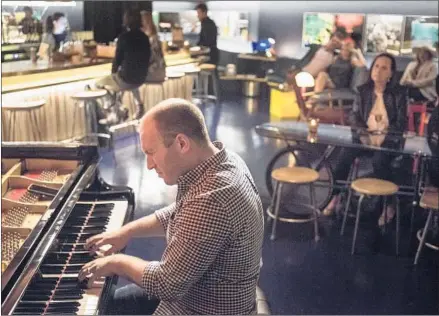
(317, 28)
(383, 33)
(420, 31)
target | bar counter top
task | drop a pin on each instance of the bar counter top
(27, 67)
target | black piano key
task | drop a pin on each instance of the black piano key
(28, 311)
(36, 297)
(63, 304)
(32, 305)
(67, 296)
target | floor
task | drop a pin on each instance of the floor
(299, 276)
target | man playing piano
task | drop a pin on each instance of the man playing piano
(214, 230)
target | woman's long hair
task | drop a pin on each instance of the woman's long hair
(148, 24)
(392, 81)
(52, 18)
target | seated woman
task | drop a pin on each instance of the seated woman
(339, 74)
(56, 32)
(379, 106)
(420, 75)
(157, 65)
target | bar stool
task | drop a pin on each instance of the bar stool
(26, 108)
(293, 175)
(117, 96)
(87, 100)
(429, 201)
(194, 73)
(175, 84)
(371, 187)
(207, 71)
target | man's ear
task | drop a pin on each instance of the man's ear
(183, 143)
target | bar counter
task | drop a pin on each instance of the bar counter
(56, 82)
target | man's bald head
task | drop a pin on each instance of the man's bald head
(177, 116)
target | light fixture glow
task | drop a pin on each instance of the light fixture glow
(304, 80)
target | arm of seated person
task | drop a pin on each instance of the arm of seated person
(427, 80)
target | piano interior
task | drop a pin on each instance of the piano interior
(53, 199)
(28, 188)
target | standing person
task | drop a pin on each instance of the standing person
(214, 230)
(56, 32)
(131, 62)
(30, 24)
(157, 64)
(208, 33)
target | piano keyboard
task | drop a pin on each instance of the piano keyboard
(55, 289)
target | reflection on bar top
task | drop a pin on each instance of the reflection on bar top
(26, 67)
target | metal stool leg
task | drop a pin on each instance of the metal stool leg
(397, 224)
(345, 215)
(273, 200)
(357, 222)
(385, 213)
(215, 87)
(276, 212)
(74, 120)
(316, 215)
(424, 234)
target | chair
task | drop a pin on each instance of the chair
(87, 100)
(25, 108)
(195, 74)
(293, 175)
(371, 187)
(429, 201)
(419, 108)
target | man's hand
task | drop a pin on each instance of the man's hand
(117, 240)
(98, 268)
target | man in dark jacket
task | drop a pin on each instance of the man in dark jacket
(131, 62)
(208, 34)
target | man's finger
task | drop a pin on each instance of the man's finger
(109, 251)
(92, 240)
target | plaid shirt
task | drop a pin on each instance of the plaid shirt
(214, 234)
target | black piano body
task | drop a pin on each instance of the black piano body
(83, 190)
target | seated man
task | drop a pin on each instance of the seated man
(130, 65)
(214, 230)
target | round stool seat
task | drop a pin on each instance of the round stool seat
(430, 199)
(175, 75)
(24, 106)
(207, 67)
(89, 95)
(295, 175)
(371, 186)
(193, 70)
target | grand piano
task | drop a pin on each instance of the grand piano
(53, 199)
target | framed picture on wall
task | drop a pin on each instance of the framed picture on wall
(420, 31)
(189, 22)
(317, 28)
(383, 33)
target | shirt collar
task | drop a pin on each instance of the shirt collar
(193, 175)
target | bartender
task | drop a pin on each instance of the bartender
(208, 34)
(30, 24)
(56, 33)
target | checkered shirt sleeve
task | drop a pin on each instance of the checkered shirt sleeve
(202, 229)
(164, 214)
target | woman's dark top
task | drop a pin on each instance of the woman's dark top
(341, 72)
(395, 100)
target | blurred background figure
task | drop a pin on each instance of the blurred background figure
(420, 75)
(55, 34)
(157, 65)
(29, 24)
